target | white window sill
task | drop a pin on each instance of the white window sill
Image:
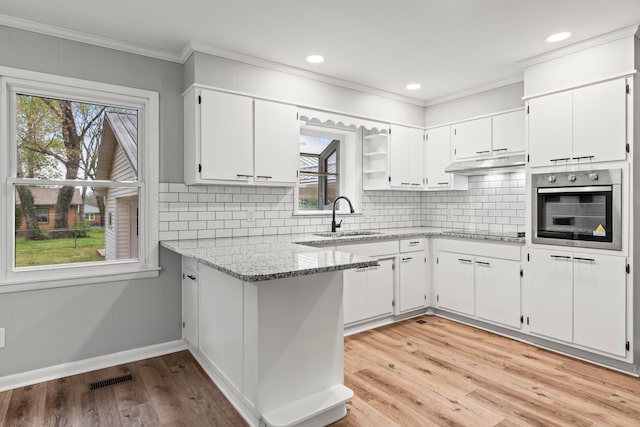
(32, 283)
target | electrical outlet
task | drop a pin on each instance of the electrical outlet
(251, 215)
(1, 337)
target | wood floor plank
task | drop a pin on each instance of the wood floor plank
(438, 373)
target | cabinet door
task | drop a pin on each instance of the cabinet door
(599, 121)
(438, 157)
(399, 156)
(455, 282)
(226, 136)
(550, 129)
(472, 138)
(413, 281)
(190, 307)
(380, 288)
(550, 294)
(599, 302)
(354, 295)
(416, 158)
(498, 291)
(508, 133)
(277, 142)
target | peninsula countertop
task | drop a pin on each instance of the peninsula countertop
(259, 258)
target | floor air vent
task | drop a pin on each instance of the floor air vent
(422, 322)
(110, 382)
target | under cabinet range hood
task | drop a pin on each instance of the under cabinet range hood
(487, 165)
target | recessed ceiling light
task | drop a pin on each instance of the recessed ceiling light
(558, 37)
(315, 59)
(414, 86)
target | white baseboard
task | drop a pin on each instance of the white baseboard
(81, 366)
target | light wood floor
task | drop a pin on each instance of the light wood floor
(407, 374)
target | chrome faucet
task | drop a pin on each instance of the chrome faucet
(335, 226)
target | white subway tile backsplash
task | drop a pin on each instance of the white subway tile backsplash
(493, 202)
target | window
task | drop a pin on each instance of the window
(326, 169)
(75, 151)
(318, 178)
(42, 215)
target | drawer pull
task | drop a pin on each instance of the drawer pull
(464, 260)
(500, 149)
(582, 157)
(443, 183)
(483, 152)
(407, 259)
(239, 175)
(560, 256)
(414, 243)
(558, 160)
(584, 259)
(483, 263)
(191, 277)
(264, 176)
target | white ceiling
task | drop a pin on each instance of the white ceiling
(450, 46)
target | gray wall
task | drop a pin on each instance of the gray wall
(491, 101)
(49, 327)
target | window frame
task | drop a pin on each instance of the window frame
(346, 186)
(13, 81)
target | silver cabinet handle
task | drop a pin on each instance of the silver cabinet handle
(239, 175)
(582, 157)
(464, 260)
(500, 149)
(442, 183)
(404, 183)
(413, 183)
(560, 256)
(584, 259)
(264, 176)
(557, 160)
(407, 259)
(483, 152)
(414, 243)
(191, 277)
(483, 263)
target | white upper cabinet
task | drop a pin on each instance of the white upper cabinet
(226, 136)
(437, 156)
(550, 134)
(234, 139)
(472, 138)
(583, 125)
(399, 156)
(599, 121)
(508, 132)
(277, 142)
(405, 158)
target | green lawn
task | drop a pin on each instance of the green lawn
(59, 251)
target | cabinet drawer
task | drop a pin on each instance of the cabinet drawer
(413, 245)
(373, 249)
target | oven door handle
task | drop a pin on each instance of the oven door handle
(592, 189)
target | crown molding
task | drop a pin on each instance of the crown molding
(64, 33)
(633, 30)
(485, 88)
(192, 47)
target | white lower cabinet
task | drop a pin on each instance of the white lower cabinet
(579, 298)
(190, 304)
(455, 282)
(412, 286)
(481, 280)
(498, 290)
(368, 292)
(550, 294)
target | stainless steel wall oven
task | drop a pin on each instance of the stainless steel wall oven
(581, 209)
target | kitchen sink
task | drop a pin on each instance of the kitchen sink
(346, 233)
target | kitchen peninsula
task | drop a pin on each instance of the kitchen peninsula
(269, 326)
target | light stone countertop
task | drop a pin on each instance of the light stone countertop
(259, 258)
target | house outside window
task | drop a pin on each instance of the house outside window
(71, 142)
